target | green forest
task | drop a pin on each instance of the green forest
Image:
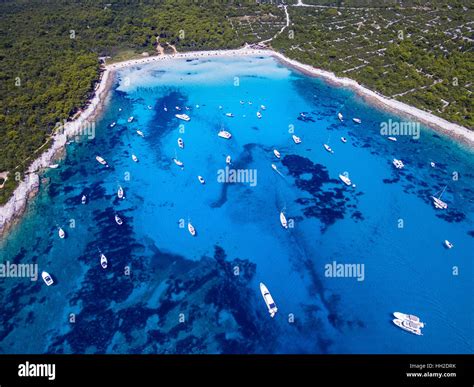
(419, 52)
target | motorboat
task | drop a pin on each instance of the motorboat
(84, 199)
(47, 278)
(328, 148)
(178, 162)
(140, 133)
(201, 180)
(448, 244)
(54, 166)
(101, 161)
(433, 165)
(224, 134)
(283, 220)
(103, 261)
(134, 158)
(357, 120)
(272, 308)
(130, 119)
(391, 138)
(183, 117)
(398, 163)
(259, 115)
(118, 220)
(229, 115)
(61, 233)
(113, 124)
(177, 108)
(409, 317)
(228, 159)
(345, 179)
(339, 115)
(180, 143)
(275, 168)
(276, 153)
(263, 107)
(296, 139)
(343, 139)
(120, 193)
(408, 326)
(191, 229)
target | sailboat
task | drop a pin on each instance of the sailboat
(283, 220)
(272, 308)
(438, 203)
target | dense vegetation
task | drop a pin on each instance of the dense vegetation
(420, 52)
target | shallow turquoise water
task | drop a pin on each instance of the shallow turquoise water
(167, 292)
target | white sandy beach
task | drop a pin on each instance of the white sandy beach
(17, 203)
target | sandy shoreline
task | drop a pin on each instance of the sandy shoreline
(13, 209)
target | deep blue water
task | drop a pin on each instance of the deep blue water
(158, 274)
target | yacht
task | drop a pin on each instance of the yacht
(228, 159)
(84, 199)
(398, 163)
(263, 107)
(183, 117)
(134, 158)
(118, 220)
(120, 193)
(392, 138)
(201, 180)
(283, 220)
(345, 179)
(438, 203)
(229, 115)
(296, 139)
(272, 308)
(448, 244)
(224, 134)
(276, 153)
(103, 261)
(140, 133)
(54, 166)
(191, 229)
(409, 317)
(130, 119)
(259, 115)
(113, 124)
(339, 115)
(47, 278)
(357, 120)
(178, 162)
(432, 164)
(343, 139)
(101, 161)
(61, 233)
(408, 326)
(180, 143)
(328, 148)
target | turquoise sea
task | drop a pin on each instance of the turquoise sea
(165, 291)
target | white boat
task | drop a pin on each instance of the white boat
(328, 148)
(224, 134)
(392, 138)
(47, 278)
(250, 102)
(84, 199)
(343, 139)
(54, 166)
(448, 244)
(178, 162)
(263, 107)
(259, 115)
(183, 117)
(438, 203)
(339, 115)
(113, 124)
(272, 308)
(296, 139)
(398, 163)
(228, 159)
(408, 326)
(134, 158)
(345, 179)
(274, 167)
(432, 164)
(165, 109)
(149, 107)
(120, 109)
(229, 115)
(409, 317)
(242, 102)
(180, 143)
(101, 161)
(177, 108)
(130, 119)
(61, 233)
(283, 220)
(120, 193)
(118, 220)
(140, 133)
(191, 229)
(201, 179)
(103, 261)
(276, 153)
(357, 120)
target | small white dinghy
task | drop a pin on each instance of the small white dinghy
(201, 179)
(103, 261)
(272, 308)
(47, 278)
(276, 153)
(61, 233)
